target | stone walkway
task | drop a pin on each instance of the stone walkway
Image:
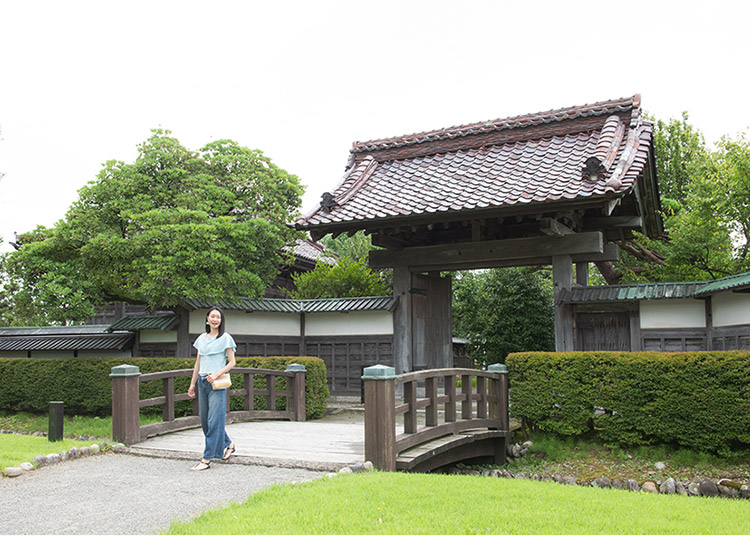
(141, 491)
(125, 494)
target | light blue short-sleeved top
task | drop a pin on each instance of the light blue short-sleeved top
(213, 351)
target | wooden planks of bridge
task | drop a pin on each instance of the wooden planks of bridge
(323, 445)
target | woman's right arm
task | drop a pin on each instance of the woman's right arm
(194, 379)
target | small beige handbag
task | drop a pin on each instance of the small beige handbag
(222, 382)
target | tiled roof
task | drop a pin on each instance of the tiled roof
(273, 305)
(732, 282)
(100, 341)
(502, 164)
(136, 323)
(520, 121)
(311, 251)
(620, 293)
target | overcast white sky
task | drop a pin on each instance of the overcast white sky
(84, 82)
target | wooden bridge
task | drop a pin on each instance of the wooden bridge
(442, 416)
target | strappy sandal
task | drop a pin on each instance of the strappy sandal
(201, 466)
(229, 451)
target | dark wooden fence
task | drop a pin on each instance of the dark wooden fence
(480, 427)
(126, 402)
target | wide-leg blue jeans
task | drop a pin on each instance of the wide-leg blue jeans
(213, 408)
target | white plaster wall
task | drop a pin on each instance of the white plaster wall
(673, 314)
(241, 323)
(157, 335)
(730, 308)
(362, 323)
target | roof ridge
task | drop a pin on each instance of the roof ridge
(560, 114)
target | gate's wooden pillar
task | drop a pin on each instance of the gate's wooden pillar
(562, 276)
(402, 320)
(380, 417)
(439, 329)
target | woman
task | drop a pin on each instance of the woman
(215, 357)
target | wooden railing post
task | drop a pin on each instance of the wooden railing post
(125, 404)
(298, 389)
(380, 416)
(499, 409)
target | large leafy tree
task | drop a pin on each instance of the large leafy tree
(501, 311)
(174, 224)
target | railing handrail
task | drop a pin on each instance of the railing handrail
(126, 402)
(431, 373)
(187, 372)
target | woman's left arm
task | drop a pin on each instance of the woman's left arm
(231, 362)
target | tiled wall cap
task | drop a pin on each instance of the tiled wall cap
(295, 367)
(379, 372)
(125, 370)
(497, 367)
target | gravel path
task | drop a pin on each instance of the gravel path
(123, 494)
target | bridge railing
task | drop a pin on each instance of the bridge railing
(126, 402)
(470, 399)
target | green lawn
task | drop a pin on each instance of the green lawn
(15, 449)
(73, 425)
(390, 503)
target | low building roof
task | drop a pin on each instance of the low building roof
(632, 293)
(33, 331)
(657, 291)
(66, 342)
(737, 282)
(277, 305)
(152, 322)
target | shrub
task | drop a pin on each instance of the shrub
(698, 400)
(86, 388)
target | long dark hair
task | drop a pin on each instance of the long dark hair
(221, 326)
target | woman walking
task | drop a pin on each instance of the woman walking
(215, 357)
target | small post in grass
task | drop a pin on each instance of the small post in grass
(55, 431)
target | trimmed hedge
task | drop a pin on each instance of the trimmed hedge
(84, 385)
(698, 400)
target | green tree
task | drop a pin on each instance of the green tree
(502, 311)
(704, 200)
(731, 190)
(8, 289)
(348, 278)
(680, 153)
(174, 224)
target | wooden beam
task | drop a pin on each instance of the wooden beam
(634, 222)
(552, 227)
(611, 253)
(455, 256)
